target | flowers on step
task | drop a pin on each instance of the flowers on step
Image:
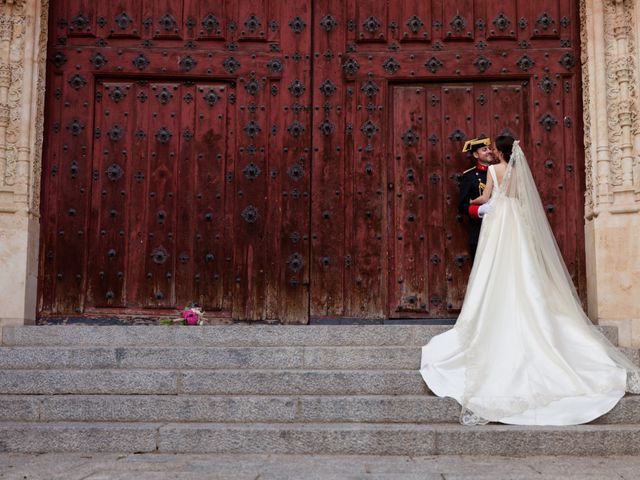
(191, 315)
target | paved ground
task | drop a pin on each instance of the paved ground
(281, 467)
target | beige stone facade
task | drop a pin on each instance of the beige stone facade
(610, 31)
(23, 39)
(610, 56)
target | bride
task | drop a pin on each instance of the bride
(522, 350)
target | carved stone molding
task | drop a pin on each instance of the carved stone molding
(23, 42)
(612, 141)
(586, 57)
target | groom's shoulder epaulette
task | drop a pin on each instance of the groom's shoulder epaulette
(469, 170)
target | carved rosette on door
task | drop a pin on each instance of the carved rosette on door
(287, 162)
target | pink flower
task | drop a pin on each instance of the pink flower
(190, 317)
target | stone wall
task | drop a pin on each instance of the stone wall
(23, 39)
(612, 140)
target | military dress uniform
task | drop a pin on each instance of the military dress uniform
(472, 185)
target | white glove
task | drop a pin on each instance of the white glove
(484, 209)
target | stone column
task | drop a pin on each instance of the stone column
(23, 46)
(609, 31)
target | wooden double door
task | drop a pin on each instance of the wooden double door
(282, 163)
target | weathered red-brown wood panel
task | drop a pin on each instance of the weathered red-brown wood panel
(178, 159)
(447, 71)
(281, 162)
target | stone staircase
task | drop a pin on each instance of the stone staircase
(256, 389)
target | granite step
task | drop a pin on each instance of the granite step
(218, 358)
(229, 335)
(318, 439)
(392, 409)
(312, 358)
(213, 382)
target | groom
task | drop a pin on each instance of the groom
(472, 185)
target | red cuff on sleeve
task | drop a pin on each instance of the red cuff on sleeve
(473, 211)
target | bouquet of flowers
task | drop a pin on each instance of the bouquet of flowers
(191, 315)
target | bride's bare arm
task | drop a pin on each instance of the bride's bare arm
(486, 195)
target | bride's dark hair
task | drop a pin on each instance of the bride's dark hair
(504, 143)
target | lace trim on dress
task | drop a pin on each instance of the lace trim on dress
(467, 417)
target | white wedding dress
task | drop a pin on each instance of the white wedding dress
(522, 350)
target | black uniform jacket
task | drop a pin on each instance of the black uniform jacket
(471, 186)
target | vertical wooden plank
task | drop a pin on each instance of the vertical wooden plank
(188, 189)
(73, 200)
(547, 149)
(350, 244)
(436, 183)
(251, 200)
(458, 126)
(294, 163)
(409, 268)
(164, 136)
(210, 245)
(328, 183)
(51, 186)
(275, 173)
(109, 205)
(230, 208)
(574, 183)
(509, 109)
(368, 173)
(137, 280)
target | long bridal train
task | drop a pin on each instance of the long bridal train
(523, 351)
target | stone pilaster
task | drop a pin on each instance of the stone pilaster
(23, 37)
(610, 32)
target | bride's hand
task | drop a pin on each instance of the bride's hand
(484, 209)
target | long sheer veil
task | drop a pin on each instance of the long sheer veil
(519, 184)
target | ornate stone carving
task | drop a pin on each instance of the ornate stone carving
(6, 28)
(621, 91)
(610, 105)
(22, 87)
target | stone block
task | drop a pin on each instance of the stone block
(45, 382)
(19, 408)
(360, 358)
(627, 411)
(309, 382)
(167, 408)
(343, 439)
(378, 409)
(210, 357)
(56, 357)
(511, 440)
(75, 437)
(223, 335)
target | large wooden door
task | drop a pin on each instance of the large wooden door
(281, 162)
(177, 159)
(401, 85)
(428, 239)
